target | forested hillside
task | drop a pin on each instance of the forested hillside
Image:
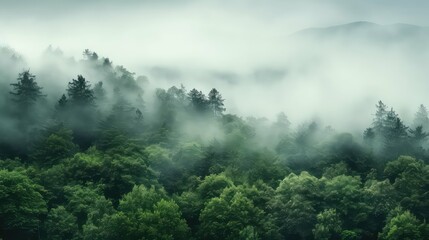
(89, 150)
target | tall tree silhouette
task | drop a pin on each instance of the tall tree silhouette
(215, 102)
(80, 92)
(26, 91)
(421, 118)
(198, 101)
(81, 112)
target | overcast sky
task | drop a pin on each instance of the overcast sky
(182, 29)
(236, 40)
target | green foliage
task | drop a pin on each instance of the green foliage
(410, 179)
(109, 162)
(225, 217)
(61, 224)
(79, 92)
(143, 214)
(55, 147)
(83, 168)
(83, 201)
(198, 101)
(26, 90)
(297, 198)
(335, 170)
(22, 203)
(212, 186)
(248, 233)
(164, 222)
(344, 193)
(402, 165)
(403, 226)
(215, 102)
(328, 225)
(120, 173)
(141, 198)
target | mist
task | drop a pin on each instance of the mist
(214, 119)
(298, 57)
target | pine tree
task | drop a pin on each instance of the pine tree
(62, 103)
(81, 114)
(418, 135)
(369, 136)
(99, 92)
(395, 134)
(89, 55)
(198, 101)
(61, 108)
(80, 92)
(26, 90)
(215, 102)
(380, 117)
(421, 118)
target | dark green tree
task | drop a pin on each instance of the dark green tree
(369, 136)
(21, 206)
(295, 205)
(418, 136)
(26, 91)
(144, 214)
(215, 102)
(328, 225)
(80, 92)
(395, 135)
(81, 114)
(402, 226)
(99, 92)
(54, 147)
(198, 101)
(61, 224)
(225, 217)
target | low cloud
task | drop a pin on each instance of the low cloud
(253, 52)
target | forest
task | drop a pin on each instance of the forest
(95, 152)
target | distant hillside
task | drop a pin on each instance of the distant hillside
(367, 30)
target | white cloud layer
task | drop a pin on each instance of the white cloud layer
(247, 49)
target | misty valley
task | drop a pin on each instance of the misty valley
(214, 120)
(89, 150)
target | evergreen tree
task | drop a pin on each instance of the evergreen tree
(89, 55)
(99, 92)
(81, 114)
(61, 108)
(215, 102)
(27, 112)
(179, 95)
(26, 90)
(418, 136)
(368, 136)
(62, 102)
(395, 132)
(421, 118)
(198, 101)
(380, 117)
(80, 92)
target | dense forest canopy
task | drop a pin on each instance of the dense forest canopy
(105, 154)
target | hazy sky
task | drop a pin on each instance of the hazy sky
(171, 30)
(245, 43)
